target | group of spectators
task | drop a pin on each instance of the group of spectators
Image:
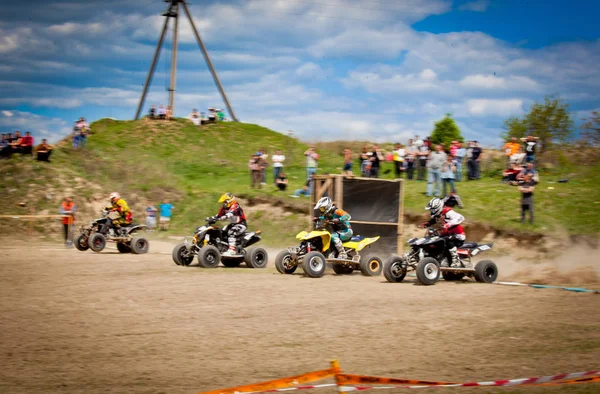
(162, 113)
(258, 164)
(166, 211)
(214, 115)
(15, 143)
(81, 131)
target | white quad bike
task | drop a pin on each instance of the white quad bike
(429, 258)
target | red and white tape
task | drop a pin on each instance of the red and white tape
(314, 386)
(510, 382)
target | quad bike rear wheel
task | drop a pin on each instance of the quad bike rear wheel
(97, 242)
(256, 258)
(123, 247)
(209, 257)
(341, 269)
(139, 245)
(284, 263)
(314, 264)
(394, 269)
(486, 271)
(371, 266)
(428, 271)
(81, 243)
(180, 255)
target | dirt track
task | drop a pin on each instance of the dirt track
(84, 322)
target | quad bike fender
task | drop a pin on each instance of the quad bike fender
(324, 235)
(135, 228)
(360, 245)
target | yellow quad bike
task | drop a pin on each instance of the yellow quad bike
(316, 249)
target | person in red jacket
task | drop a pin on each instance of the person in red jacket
(27, 144)
(451, 229)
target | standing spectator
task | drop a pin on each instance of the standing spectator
(347, 170)
(166, 211)
(83, 129)
(43, 151)
(168, 113)
(510, 149)
(398, 155)
(528, 170)
(454, 148)
(281, 181)
(27, 144)
(254, 166)
(376, 159)
(461, 152)
(365, 162)
(530, 146)
(526, 189)
(418, 142)
(151, 217)
(15, 142)
(427, 142)
(277, 159)
(152, 112)
(422, 155)
(263, 166)
(475, 160)
(411, 156)
(161, 113)
(437, 158)
(68, 209)
(448, 175)
(312, 158)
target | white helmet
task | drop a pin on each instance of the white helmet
(435, 206)
(324, 205)
(114, 195)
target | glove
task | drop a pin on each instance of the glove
(223, 217)
(424, 225)
(336, 221)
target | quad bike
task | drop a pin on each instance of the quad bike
(99, 231)
(210, 242)
(316, 244)
(429, 258)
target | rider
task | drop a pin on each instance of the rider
(452, 231)
(342, 230)
(119, 205)
(232, 211)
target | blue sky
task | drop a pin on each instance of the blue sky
(376, 70)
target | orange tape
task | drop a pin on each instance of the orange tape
(279, 383)
(358, 379)
(585, 379)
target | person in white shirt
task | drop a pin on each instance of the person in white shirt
(278, 158)
(195, 117)
(398, 154)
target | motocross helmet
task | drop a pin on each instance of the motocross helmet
(435, 206)
(227, 200)
(114, 196)
(324, 205)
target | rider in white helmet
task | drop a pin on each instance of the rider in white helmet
(450, 221)
(341, 223)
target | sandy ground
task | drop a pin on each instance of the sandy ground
(75, 322)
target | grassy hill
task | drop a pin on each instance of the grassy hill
(149, 160)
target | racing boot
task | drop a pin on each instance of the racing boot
(231, 251)
(340, 248)
(455, 261)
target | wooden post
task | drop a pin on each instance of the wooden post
(339, 191)
(400, 236)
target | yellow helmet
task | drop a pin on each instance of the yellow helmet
(227, 199)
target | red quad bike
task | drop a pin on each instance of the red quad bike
(429, 258)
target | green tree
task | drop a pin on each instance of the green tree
(591, 128)
(446, 131)
(550, 121)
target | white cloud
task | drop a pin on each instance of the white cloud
(483, 81)
(7, 114)
(310, 70)
(488, 107)
(477, 6)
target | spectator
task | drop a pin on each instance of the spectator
(422, 155)
(254, 166)
(27, 144)
(418, 142)
(411, 156)
(312, 158)
(376, 159)
(510, 149)
(526, 189)
(75, 136)
(15, 143)
(530, 147)
(220, 115)
(263, 166)
(448, 175)
(306, 189)
(195, 117)
(83, 128)
(281, 181)
(168, 113)
(528, 170)
(4, 147)
(427, 142)
(453, 200)
(347, 169)
(437, 158)
(43, 151)
(510, 175)
(278, 159)
(152, 112)
(474, 161)
(68, 209)
(161, 113)
(460, 156)
(166, 211)
(212, 115)
(454, 148)
(151, 217)
(365, 162)
(398, 155)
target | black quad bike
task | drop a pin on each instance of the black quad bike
(99, 231)
(209, 242)
(429, 258)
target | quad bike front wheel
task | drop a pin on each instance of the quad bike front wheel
(181, 256)
(209, 257)
(123, 247)
(314, 264)
(284, 263)
(256, 258)
(139, 245)
(341, 269)
(97, 242)
(394, 269)
(486, 271)
(81, 243)
(371, 266)
(428, 271)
